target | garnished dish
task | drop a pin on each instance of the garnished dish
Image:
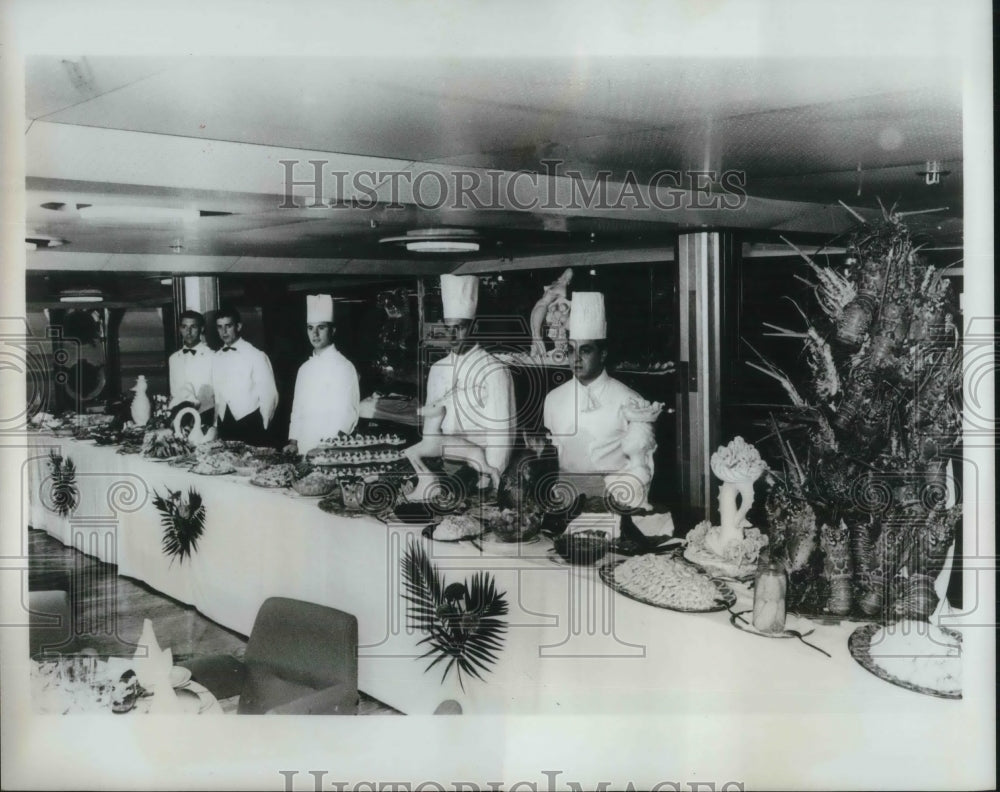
(507, 525)
(336, 457)
(315, 484)
(454, 528)
(217, 465)
(914, 655)
(740, 559)
(275, 476)
(668, 582)
(164, 444)
(361, 441)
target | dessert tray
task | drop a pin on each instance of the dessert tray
(332, 457)
(917, 662)
(360, 441)
(667, 582)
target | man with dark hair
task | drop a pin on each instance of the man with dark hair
(469, 412)
(602, 429)
(190, 369)
(326, 388)
(245, 393)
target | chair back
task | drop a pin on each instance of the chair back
(303, 643)
(50, 626)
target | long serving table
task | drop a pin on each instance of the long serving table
(573, 645)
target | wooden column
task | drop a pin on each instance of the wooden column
(701, 260)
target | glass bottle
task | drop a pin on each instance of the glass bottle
(769, 589)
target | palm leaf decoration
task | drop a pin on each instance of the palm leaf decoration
(463, 621)
(65, 493)
(183, 522)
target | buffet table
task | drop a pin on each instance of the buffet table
(573, 645)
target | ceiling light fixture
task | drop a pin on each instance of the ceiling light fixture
(36, 241)
(81, 295)
(437, 240)
(932, 173)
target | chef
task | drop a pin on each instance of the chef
(470, 394)
(589, 416)
(245, 393)
(326, 388)
(190, 369)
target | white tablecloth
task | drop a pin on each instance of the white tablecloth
(573, 645)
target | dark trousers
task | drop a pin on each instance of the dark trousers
(249, 429)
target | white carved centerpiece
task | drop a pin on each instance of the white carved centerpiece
(551, 312)
(195, 435)
(630, 486)
(732, 547)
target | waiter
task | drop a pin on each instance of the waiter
(587, 415)
(472, 389)
(245, 393)
(326, 387)
(191, 369)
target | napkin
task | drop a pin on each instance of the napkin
(164, 697)
(654, 524)
(148, 655)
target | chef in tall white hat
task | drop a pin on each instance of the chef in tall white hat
(470, 394)
(601, 428)
(326, 388)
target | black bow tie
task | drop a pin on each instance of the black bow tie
(228, 349)
(188, 351)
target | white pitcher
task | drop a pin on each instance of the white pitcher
(141, 408)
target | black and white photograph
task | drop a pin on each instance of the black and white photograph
(504, 397)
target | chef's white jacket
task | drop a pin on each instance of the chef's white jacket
(243, 382)
(477, 392)
(326, 399)
(191, 376)
(587, 425)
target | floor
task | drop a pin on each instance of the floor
(108, 611)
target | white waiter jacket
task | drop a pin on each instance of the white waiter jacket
(191, 376)
(326, 399)
(477, 392)
(243, 382)
(587, 424)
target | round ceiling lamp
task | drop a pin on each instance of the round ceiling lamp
(436, 240)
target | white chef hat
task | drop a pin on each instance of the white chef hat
(319, 308)
(586, 316)
(460, 294)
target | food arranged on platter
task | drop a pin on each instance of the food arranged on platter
(668, 582)
(740, 563)
(455, 527)
(507, 525)
(315, 484)
(361, 441)
(164, 444)
(912, 654)
(329, 457)
(215, 465)
(281, 475)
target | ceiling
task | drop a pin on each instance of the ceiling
(211, 134)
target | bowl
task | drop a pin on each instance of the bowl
(583, 548)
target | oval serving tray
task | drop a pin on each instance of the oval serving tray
(725, 601)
